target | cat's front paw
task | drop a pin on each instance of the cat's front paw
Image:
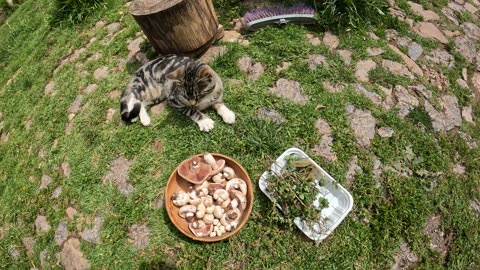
(206, 124)
(228, 116)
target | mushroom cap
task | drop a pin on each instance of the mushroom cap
(212, 187)
(182, 212)
(228, 172)
(201, 232)
(240, 197)
(196, 177)
(237, 184)
(221, 165)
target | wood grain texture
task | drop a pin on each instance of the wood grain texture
(177, 26)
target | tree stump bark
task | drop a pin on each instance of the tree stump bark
(184, 27)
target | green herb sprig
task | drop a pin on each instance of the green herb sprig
(294, 189)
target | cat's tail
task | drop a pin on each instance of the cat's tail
(130, 113)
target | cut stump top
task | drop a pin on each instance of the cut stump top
(147, 7)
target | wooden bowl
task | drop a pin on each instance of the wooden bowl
(177, 183)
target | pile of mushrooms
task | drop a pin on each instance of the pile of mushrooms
(216, 199)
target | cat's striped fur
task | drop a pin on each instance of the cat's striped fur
(187, 84)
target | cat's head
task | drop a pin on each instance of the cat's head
(195, 80)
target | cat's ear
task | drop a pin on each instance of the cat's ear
(205, 75)
(176, 75)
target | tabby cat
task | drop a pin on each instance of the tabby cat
(187, 84)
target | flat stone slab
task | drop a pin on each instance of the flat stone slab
(363, 68)
(324, 146)
(430, 30)
(289, 89)
(363, 124)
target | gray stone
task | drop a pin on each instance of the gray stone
(100, 73)
(363, 68)
(93, 235)
(447, 119)
(353, 170)
(405, 258)
(430, 30)
(397, 68)
(41, 224)
(50, 88)
(71, 257)
(404, 41)
(331, 40)
(56, 193)
(76, 105)
(471, 30)
(441, 56)
(385, 132)
(363, 125)
(119, 175)
(271, 114)
(315, 41)
(316, 60)
(462, 83)
(346, 56)
(405, 101)
(324, 146)
(466, 47)
(61, 234)
(374, 97)
(415, 50)
(421, 89)
(450, 14)
(456, 7)
(289, 89)
(467, 114)
(459, 169)
(29, 244)
(13, 252)
(45, 181)
(374, 51)
(139, 235)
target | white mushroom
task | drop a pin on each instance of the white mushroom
(228, 173)
(180, 198)
(237, 184)
(220, 195)
(219, 178)
(217, 165)
(192, 194)
(182, 212)
(231, 218)
(240, 198)
(201, 210)
(222, 228)
(208, 201)
(200, 229)
(234, 204)
(216, 221)
(202, 189)
(225, 204)
(196, 201)
(213, 234)
(210, 209)
(218, 212)
(208, 218)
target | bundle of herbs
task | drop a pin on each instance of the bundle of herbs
(294, 189)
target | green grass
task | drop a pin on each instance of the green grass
(369, 237)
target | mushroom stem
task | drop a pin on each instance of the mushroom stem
(194, 166)
(211, 161)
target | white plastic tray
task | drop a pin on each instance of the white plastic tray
(340, 201)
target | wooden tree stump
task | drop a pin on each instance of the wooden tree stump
(184, 27)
